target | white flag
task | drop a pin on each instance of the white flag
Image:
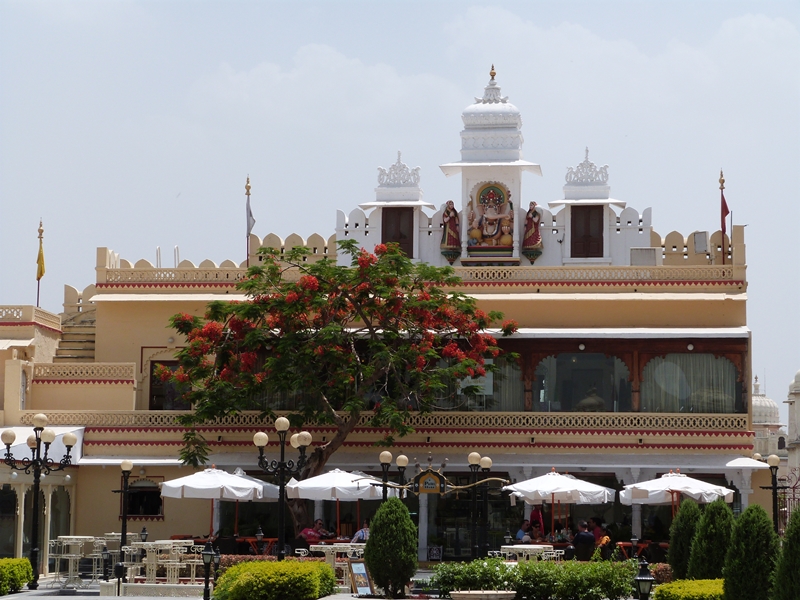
(250, 219)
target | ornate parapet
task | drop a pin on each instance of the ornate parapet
(84, 373)
(587, 422)
(29, 315)
(720, 277)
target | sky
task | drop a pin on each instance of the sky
(133, 125)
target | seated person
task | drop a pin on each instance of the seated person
(536, 533)
(524, 530)
(314, 534)
(583, 542)
(362, 535)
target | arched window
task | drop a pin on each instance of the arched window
(781, 443)
(582, 382)
(700, 383)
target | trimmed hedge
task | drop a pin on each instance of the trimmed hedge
(544, 580)
(681, 534)
(751, 556)
(786, 585)
(228, 560)
(711, 541)
(699, 589)
(391, 550)
(268, 580)
(14, 574)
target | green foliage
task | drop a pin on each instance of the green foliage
(751, 556)
(382, 334)
(786, 584)
(681, 534)
(711, 540)
(391, 550)
(14, 574)
(546, 580)
(263, 580)
(699, 589)
(228, 560)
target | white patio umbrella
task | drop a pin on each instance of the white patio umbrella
(558, 487)
(338, 485)
(668, 488)
(213, 484)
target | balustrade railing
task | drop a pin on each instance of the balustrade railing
(29, 314)
(84, 371)
(656, 422)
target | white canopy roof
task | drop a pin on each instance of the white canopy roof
(661, 490)
(552, 487)
(213, 484)
(337, 485)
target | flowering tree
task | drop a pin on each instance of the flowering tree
(382, 335)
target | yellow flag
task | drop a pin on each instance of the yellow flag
(40, 258)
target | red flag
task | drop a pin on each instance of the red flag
(725, 211)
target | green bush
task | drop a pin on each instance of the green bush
(228, 560)
(662, 572)
(681, 534)
(544, 580)
(711, 540)
(699, 589)
(751, 556)
(391, 550)
(262, 580)
(786, 584)
(14, 574)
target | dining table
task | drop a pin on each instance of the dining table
(626, 548)
(333, 552)
(525, 551)
(73, 553)
(172, 563)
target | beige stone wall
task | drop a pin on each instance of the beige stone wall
(86, 396)
(98, 508)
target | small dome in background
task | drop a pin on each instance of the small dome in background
(765, 410)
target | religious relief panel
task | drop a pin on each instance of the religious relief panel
(532, 238)
(451, 233)
(491, 222)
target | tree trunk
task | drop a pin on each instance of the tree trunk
(298, 508)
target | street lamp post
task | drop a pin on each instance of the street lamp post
(208, 557)
(37, 464)
(126, 466)
(259, 539)
(386, 462)
(486, 465)
(282, 468)
(644, 580)
(474, 460)
(773, 460)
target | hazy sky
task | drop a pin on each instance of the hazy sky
(133, 125)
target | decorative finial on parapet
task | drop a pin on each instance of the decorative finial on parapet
(721, 180)
(492, 73)
(247, 187)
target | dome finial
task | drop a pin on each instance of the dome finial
(492, 73)
(247, 187)
(721, 180)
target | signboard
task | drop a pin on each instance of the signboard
(359, 578)
(429, 482)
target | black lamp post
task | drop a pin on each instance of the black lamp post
(634, 546)
(474, 460)
(37, 464)
(774, 461)
(208, 557)
(486, 465)
(282, 468)
(402, 462)
(126, 466)
(217, 559)
(643, 580)
(143, 535)
(106, 561)
(386, 462)
(259, 539)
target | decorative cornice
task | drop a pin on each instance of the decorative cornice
(587, 173)
(398, 175)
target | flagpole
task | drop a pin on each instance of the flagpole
(250, 219)
(724, 211)
(39, 264)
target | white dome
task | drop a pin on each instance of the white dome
(492, 127)
(765, 410)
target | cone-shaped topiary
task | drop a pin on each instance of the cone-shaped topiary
(786, 585)
(751, 556)
(681, 534)
(391, 550)
(711, 540)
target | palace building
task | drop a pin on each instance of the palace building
(634, 356)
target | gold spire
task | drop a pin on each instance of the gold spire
(247, 187)
(721, 180)
(492, 73)
(40, 258)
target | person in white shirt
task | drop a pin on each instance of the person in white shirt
(362, 535)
